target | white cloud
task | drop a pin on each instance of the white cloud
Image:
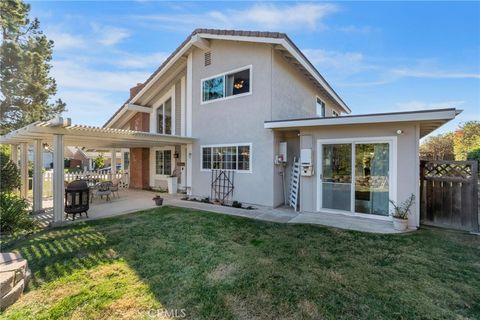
(258, 16)
(108, 35)
(357, 29)
(435, 74)
(63, 40)
(422, 105)
(142, 61)
(69, 74)
(351, 61)
(354, 69)
(89, 106)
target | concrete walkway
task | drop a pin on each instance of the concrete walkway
(135, 200)
(288, 215)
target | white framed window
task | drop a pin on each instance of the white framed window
(227, 85)
(164, 117)
(236, 157)
(163, 162)
(320, 107)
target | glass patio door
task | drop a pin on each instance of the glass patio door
(337, 176)
(355, 177)
(372, 178)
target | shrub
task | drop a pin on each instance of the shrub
(9, 174)
(474, 155)
(14, 216)
(236, 204)
(402, 210)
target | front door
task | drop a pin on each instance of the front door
(355, 176)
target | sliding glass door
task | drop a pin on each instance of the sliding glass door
(371, 178)
(355, 177)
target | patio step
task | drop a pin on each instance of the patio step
(9, 256)
(18, 267)
(14, 276)
(12, 296)
(6, 282)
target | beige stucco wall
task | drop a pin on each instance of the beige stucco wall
(236, 120)
(406, 158)
(293, 96)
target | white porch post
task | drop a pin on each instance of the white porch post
(189, 98)
(113, 164)
(24, 170)
(189, 168)
(14, 153)
(58, 178)
(122, 160)
(37, 175)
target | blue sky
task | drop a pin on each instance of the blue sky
(378, 56)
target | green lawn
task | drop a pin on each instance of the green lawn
(220, 267)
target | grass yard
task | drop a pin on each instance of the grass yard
(211, 266)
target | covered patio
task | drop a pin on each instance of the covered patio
(59, 133)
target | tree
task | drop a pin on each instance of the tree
(25, 84)
(438, 147)
(474, 155)
(99, 161)
(467, 139)
(9, 173)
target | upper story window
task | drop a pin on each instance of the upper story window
(229, 84)
(164, 117)
(320, 105)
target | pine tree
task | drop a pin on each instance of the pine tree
(25, 82)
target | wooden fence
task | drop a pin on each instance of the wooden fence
(449, 194)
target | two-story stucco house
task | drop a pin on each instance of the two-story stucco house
(253, 104)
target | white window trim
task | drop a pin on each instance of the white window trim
(224, 82)
(153, 159)
(228, 145)
(324, 107)
(392, 141)
(153, 116)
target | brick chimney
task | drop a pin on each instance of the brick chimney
(135, 90)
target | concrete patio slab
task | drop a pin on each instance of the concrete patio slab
(344, 221)
(136, 200)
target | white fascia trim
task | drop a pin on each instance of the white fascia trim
(292, 51)
(282, 42)
(117, 117)
(137, 108)
(179, 54)
(367, 119)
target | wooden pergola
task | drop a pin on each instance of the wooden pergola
(59, 133)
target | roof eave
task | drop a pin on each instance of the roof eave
(442, 116)
(281, 39)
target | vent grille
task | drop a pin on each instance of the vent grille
(208, 58)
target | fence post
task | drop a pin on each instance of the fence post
(475, 218)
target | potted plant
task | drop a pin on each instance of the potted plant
(172, 184)
(400, 213)
(158, 200)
